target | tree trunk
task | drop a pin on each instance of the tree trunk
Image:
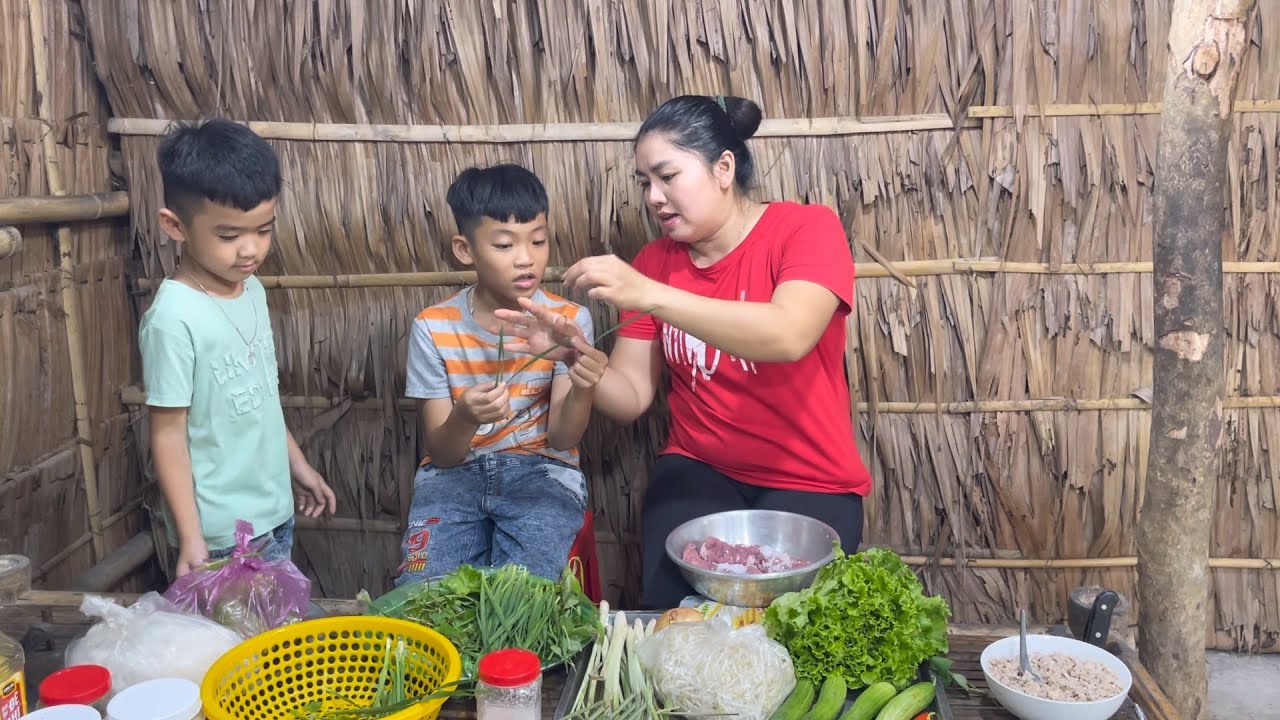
(1206, 44)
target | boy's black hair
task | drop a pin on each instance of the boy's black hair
(506, 193)
(221, 161)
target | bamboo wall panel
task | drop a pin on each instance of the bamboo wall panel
(43, 512)
(1055, 190)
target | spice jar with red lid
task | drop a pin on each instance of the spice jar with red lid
(509, 686)
(77, 685)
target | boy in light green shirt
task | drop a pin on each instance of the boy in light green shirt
(218, 438)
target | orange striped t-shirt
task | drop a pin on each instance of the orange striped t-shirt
(449, 352)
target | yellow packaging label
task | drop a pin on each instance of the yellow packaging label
(13, 697)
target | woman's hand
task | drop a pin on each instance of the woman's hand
(613, 280)
(589, 368)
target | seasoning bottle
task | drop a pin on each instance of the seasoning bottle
(163, 699)
(77, 685)
(13, 690)
(509, 686)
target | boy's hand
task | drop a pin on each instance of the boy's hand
(484, 403)
(589, 367)
(192, 555)
(539, 330)
(311, 493)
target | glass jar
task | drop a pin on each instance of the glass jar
(509, 686)
(77, 685)
(13, 693)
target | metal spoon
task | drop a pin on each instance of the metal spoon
(1024, 662)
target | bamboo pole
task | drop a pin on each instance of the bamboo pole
(626, 131)
(84, 539)
(546, 132)
(63, 208)
(10, 242)
(376, 525)
(903, 268)
(135, 396)
(1077, 563)
(70, 300)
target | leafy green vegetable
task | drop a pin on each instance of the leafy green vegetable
(390, 693)
(865, 618)
(480, 611)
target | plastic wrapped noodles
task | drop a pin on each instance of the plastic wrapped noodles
(707, 667)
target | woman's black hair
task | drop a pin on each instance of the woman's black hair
(708, 126)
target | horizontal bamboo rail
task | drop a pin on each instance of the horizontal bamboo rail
(63, 208)
(1078, 563)
(625, 131)
(134, 396)
(905, 268)
(549, 132)
(349, 525)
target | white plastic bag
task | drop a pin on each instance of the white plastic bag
(148, 640)
(710, 668)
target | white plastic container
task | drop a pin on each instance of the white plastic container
(164, 699)
(65, 712)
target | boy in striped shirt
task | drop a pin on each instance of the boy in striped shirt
(500, 483)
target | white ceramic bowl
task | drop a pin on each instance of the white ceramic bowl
(1034, 708)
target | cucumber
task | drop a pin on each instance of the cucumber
(870, 701)
(830, 699)
(908, 703)
(797, 703)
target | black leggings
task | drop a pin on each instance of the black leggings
(682, 489)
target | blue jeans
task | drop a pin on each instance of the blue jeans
(497, 509)
(275, 545)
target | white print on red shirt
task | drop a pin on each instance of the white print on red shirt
(681, 348)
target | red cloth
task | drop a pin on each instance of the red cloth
(584, 560)
(777, 425)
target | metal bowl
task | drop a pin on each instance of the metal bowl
(799, 536)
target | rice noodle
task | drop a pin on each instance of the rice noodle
(709, 668)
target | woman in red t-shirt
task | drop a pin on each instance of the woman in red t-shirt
(745, 304)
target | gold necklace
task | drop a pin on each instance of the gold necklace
(248, 342)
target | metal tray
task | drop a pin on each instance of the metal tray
(578, 668)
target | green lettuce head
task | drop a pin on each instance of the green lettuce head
(865, 618)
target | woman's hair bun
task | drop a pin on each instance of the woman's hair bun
(744, 114)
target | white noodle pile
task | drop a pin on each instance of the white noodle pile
(706, 667)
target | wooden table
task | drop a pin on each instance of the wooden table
(55, 619)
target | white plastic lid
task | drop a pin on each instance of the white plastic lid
(64, 712)
(164, 699)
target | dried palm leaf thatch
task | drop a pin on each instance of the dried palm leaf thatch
(1027, 185)
(43, 504)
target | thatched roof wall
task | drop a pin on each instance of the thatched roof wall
(1054, 483)
(43, 511)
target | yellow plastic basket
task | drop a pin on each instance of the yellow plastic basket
(277, 672)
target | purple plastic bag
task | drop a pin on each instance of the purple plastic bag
(244, 592)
